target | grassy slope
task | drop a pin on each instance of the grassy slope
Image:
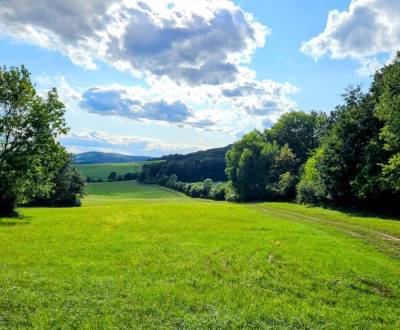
(175, 262)
(102, 171)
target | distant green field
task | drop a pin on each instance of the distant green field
(102, 171)
(145, 257)
(119, 191)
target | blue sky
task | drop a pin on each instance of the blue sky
(158, 77)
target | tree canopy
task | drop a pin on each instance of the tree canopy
(30, 156)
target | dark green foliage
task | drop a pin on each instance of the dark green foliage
(343, 149)
(90, 179)
(301, 131)
(206, 189)
(129, 176)
(388, 111)
(112, 176)
(30, 156)
(193, 167)
(358, 162)
(248, 164)
(267, 166)
(283, 175)
(68, 188)
(260, 169)
(217, 191)
(311, 189)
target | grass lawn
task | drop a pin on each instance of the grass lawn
(139, 256)
(102, 171)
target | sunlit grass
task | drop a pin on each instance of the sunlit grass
(102, 171)
(139, 256)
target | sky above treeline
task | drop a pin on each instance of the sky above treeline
(157, 77)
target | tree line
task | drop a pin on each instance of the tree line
(194, 167)
(34, 168)
(350, 157)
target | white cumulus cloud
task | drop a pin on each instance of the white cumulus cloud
(367, 30)
(192, 41)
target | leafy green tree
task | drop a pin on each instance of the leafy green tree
(301, 131)
(29, 125)
(388, 111)
(311, 188)
(249, 163)
(283, 175)
(343, 150)
(68, 188)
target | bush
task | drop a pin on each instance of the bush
(197, 190)
(217, 192)
(230, 193)
(207, 185)
(68, 188)
(206, 189)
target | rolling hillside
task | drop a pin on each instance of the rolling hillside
(102, 171)
(94, 157)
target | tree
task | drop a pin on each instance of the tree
(301, 131)
(112, 176)
(311, 188)
(388, 111)
(68, 187)
(283, 175)
(29, 125)
(249, 162)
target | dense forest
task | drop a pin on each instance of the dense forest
(197, 166)
(350, 157)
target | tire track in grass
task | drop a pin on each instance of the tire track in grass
(384, 242)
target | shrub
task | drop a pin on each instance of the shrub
(207, 185)
(230, 193)
(197, 190)
(217, 192)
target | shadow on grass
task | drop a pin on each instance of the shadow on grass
(14, 220)
(355, 211)
(364, 212)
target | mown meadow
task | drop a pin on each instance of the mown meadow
(102, 171)
(143, 256)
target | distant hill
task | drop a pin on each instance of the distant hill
(193, 167)
(95, 157)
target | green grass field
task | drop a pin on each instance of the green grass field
(102, 171)
(139, 256)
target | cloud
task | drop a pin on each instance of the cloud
(367, 30)
(66, 92)
(209, 109)
(193, 41)
(191, 55)
(132, 104)
(89, 140)
(262, 98)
